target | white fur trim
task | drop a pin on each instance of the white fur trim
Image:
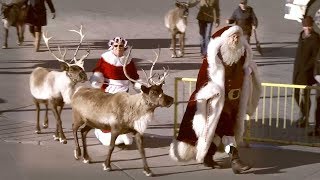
(181, 151)
(231, 31)
(110, 58)
(227, 148)
(202, 148)
(105, 138)
(317, 78)
(229, 140)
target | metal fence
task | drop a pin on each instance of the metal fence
(275, 117)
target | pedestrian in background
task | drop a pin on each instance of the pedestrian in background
(109, 76)
(208, 15)
(316, 131)
(37, 17)
(304, 67)
(244, 17)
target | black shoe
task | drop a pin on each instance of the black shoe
(314, 133)
(212, 164)
(238, 166)
(301, 123)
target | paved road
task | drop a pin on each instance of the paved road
(25, 155)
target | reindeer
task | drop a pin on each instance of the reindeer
(121, 113)
(176, 22)
(14, 14)
(56, 87)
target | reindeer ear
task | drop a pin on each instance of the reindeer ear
(64, 66)
(178, 4)
(145, 89)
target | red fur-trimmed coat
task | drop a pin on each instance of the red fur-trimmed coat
(203, 115)
(109, 70)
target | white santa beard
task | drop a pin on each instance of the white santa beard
(231, 53)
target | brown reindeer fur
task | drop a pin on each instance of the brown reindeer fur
(120, 113)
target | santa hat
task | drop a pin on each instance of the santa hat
(227, 31)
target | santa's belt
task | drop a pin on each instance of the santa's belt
(233, 94)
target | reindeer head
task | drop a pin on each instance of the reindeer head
(184, 8)
(152, 90)
(74, 68)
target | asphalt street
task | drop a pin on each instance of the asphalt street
(30, 156)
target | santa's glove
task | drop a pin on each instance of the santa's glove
(96, 84)
(137, 86)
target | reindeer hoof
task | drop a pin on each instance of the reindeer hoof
(45, 126)
(173, 56)
(149, 174)
(75, 154)
(105, 168)
(86, 161)
(4, 47)
(180, 54)
(37, 131)
(63, 141)
(55, 138)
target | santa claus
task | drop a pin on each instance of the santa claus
(227, 89)
(109, 76)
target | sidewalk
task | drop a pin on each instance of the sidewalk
(29, 156)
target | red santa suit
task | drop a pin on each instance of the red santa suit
(222, 92)
(109, 76)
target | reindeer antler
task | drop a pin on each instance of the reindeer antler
(149, 79)
(46, 40)
(124, 68)
(79, 62)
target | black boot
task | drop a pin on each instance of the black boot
(208, 159)
(316, 132)
(237, 165)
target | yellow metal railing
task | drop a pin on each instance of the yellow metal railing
(274, 117)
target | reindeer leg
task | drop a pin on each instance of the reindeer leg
(38, 130)
(84, 132)
(18, 34)
(45, 123)
(62, 137)
(56, 114)
(5, 43)
(23, 27)
(77, 122)
(106, 164)
(59, 123)
(139, 142)
(181, 41)
(173, 44)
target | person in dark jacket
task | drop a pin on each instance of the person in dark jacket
(244, 17)
(37, 17)
(303, 70)
(208, 15)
